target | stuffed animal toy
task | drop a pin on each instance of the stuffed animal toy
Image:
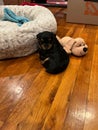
(76, 46)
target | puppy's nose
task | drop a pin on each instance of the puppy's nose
(85, 49)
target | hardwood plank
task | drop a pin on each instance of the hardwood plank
(16, 86)
(59, 108)
(38, 114)
(76, 115)
(91, 120)
(26, 103)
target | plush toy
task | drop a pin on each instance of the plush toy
(76, 46)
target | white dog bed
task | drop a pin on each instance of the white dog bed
(21, 41)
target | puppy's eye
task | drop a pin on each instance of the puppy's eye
(49, 46)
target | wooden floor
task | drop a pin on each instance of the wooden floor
(31, 99)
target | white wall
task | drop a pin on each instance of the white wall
(1, 2)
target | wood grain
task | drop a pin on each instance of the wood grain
(32, 99)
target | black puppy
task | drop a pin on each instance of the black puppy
(52, 55)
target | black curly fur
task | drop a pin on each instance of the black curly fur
(54, 58)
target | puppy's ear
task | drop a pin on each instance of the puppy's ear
(53, 36)
(38, 35)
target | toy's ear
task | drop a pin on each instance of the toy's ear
(58, 38)
(67, 50)
(67, 44)
(62, 41)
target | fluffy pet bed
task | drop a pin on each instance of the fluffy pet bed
(18, 41)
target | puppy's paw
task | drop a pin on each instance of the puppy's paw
(43, 61)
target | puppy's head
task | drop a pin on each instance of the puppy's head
(46, 40)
